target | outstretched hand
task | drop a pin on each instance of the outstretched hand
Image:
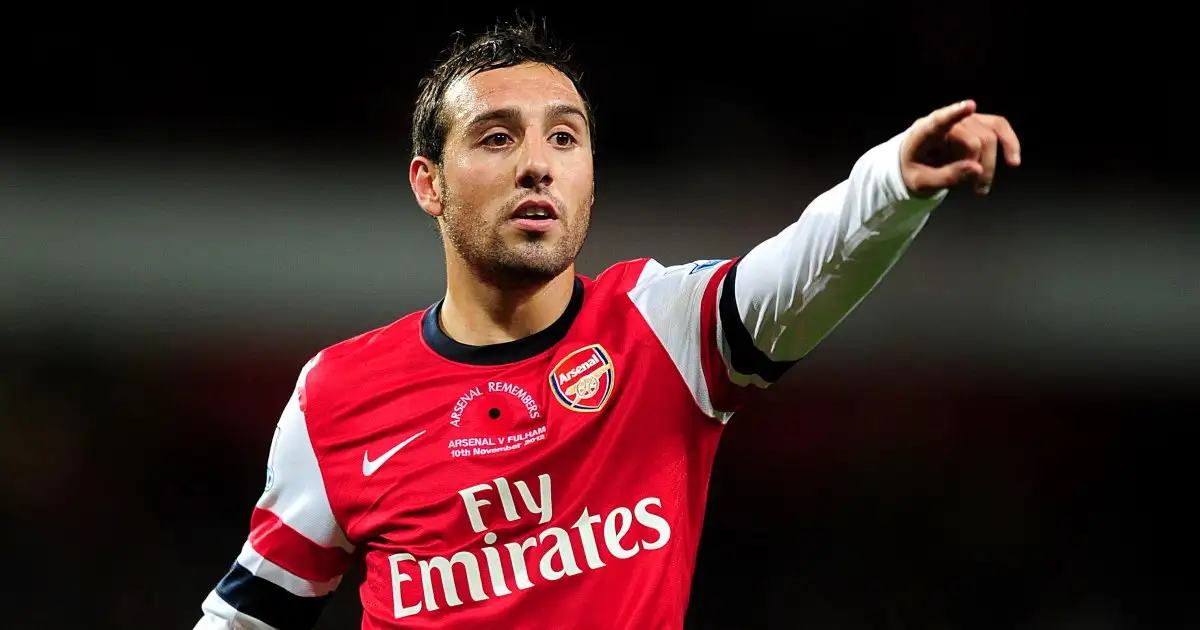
(955, 147)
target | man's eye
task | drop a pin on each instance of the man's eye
(563, 139)
(497, 140)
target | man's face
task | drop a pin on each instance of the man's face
(516, 180)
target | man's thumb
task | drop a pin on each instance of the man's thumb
(949, 176)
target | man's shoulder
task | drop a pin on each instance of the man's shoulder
(625, 276)
(347, 364)
(384, 340)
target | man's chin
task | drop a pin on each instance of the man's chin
(527, 264)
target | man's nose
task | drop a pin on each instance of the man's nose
(535, 167)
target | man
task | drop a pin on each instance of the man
(533, 451)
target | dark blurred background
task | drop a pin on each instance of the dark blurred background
(194, 202)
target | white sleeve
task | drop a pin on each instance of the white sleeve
(296, 552)
(735, 326)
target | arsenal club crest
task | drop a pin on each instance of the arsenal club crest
(583, 380)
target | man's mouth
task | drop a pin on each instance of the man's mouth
(536, 210)
(535, 215)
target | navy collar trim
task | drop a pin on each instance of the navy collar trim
(499, 353)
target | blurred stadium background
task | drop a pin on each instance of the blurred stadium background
(998, 438)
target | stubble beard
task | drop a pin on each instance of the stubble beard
(534, 261)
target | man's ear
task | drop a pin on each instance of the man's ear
(423, 177)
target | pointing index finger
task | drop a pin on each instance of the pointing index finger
(945, 118)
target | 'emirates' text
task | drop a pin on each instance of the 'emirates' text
(499, 570)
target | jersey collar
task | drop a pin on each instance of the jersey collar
(499, 353)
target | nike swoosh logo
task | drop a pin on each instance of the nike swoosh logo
(370, 466)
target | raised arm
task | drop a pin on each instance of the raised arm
(738, 325)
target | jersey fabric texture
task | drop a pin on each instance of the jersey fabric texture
(557, 481)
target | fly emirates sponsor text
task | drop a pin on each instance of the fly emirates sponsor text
(501, 570)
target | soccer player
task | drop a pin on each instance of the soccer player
(534, 450)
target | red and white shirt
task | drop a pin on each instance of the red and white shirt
(557, 481)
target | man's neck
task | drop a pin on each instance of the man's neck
(476, 313)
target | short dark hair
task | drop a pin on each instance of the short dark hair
(505, 45)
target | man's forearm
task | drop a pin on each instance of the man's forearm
(794, 288)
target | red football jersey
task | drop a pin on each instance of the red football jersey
(557, 481)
